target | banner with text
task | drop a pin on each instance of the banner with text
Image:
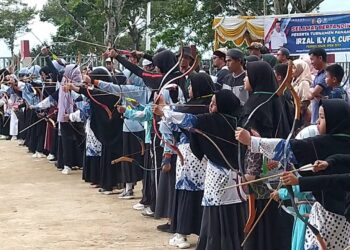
(300, 34)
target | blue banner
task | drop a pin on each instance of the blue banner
(300, 34)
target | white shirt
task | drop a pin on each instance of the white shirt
(278, 39)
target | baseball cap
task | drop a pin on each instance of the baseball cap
(220, 52)
(187, 51)
(146, 62)
(235, 54)
(109, 60)
(255, 45)
(284, 52)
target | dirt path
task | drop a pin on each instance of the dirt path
(42, 209)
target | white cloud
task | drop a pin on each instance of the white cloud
(42, 30)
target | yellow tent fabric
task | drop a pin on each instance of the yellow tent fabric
(238, 29)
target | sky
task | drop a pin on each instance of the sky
(44, 30)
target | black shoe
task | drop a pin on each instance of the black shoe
(166, 228)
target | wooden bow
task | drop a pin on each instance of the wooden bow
(251, 223)
(297, 111)
(162, 87)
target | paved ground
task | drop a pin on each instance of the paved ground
(42, 209)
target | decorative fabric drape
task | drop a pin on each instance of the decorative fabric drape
(238, 29)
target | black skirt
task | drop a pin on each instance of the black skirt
(72, 144)
(275, 224)
(21, 123)
(166, 192)
(91, 170)
(6, 126)
(108, 172)
(188, 212)
(222, 227)
(131, 173)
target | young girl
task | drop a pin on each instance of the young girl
(303, 199)
(190, 177)
(335, 226)
(224, 211)
(301, 83)
(270, 120)
(334, 128)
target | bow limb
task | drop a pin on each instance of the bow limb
(297, 104)
(251, 197)
(122, 159)
(52, 122)
(103, 106)
(217, 148)
(171, 70)
(252, 213)
(173, 147)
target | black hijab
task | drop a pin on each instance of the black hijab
(336, 112)
(164, 60)
(227, 103)
(218, 125)
(201, 84)
(336, 141)
(107, 131)
(202, 89)
(270, 120)
(101, 73)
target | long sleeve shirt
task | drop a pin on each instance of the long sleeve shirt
(140, 94)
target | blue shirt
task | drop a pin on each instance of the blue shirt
(338, 93)
(320, 80)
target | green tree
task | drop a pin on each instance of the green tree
(191, 21)
(75, 19)
(14, 19)
(97, 21)
(123, 22)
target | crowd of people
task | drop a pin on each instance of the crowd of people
(199, 143)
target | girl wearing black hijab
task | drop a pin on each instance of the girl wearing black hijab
(190, 176)
(270, 120)
(334, 128)
(223, 211)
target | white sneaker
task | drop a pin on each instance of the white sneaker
(67, 170)
(40, 155)
(138, 206)
(35, 155)
(128, 195)
(14, 138)
(179, 241)
(147, 212)
(3, 137)
(50, 157)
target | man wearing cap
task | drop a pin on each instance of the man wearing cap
(283, 55)
(110, 65)
(235, 80)
(117, 76)
(147, 65)
(185, 64)
(256, 49)
(219, 62)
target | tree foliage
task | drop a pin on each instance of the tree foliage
(14, 19)
(123, 21)
(191, 20)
